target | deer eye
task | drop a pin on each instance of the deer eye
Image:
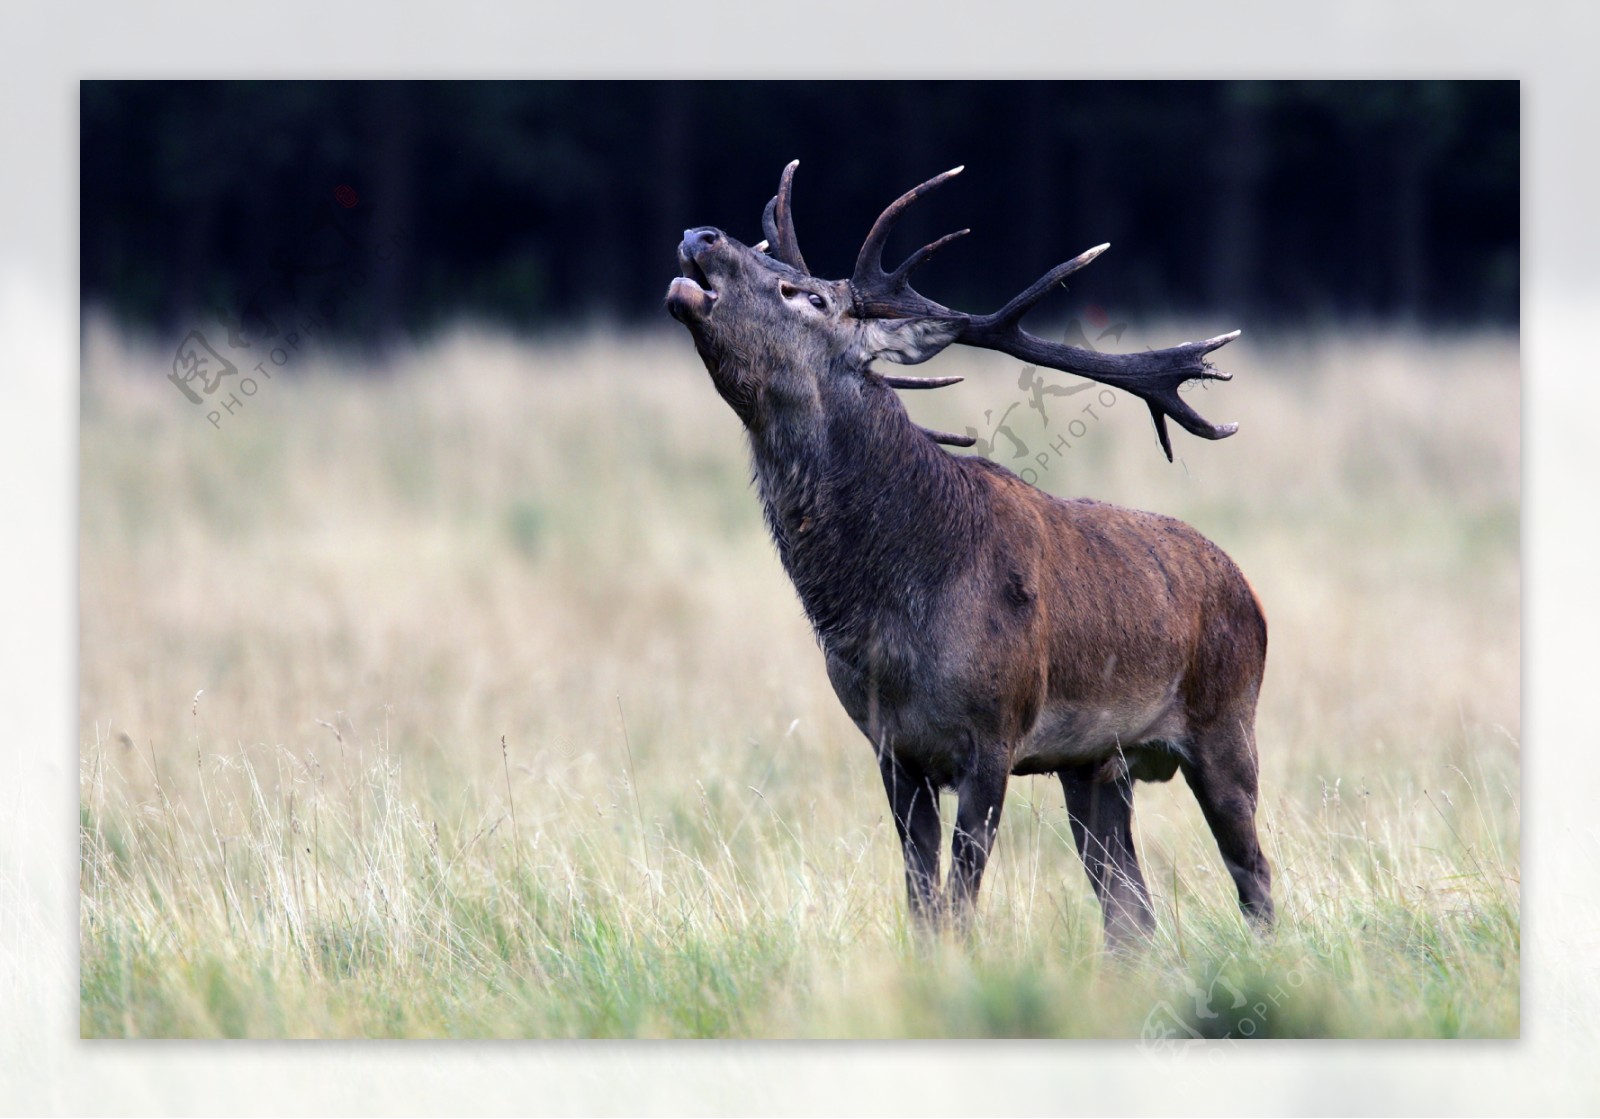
(789, 291)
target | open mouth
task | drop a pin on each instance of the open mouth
(693, 271)
(690, 297)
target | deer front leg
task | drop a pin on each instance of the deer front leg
(982, 793)
(1101, 815)
(914, 803)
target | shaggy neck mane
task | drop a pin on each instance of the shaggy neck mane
(869, 515)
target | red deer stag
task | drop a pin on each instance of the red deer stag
(975, 627)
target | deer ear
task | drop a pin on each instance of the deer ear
(907, 341)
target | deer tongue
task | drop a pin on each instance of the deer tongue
(687, 301)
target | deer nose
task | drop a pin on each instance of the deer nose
(701, 238)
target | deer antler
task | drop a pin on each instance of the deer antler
(919, 382)
(777, 222)
(889, 295)
(1154, 376)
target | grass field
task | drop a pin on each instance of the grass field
(465, 697)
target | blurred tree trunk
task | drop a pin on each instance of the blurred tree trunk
(391, 110)
(1410, 220)
(1235, 253)
(1039, 194)
(672, 191)
(913, 143)
(1095, 211)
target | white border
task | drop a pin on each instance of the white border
(44, 1068)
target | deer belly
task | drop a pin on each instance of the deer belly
(1072, 734)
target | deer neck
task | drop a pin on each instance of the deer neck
(869, 515)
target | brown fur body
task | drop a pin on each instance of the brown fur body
(974, 627)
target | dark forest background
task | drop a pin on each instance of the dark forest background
(395, 206)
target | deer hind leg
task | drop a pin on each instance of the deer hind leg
(1221, 769)
(981, 795)
(914, 803)
(1101, 814)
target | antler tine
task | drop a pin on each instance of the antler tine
(919, 382)
(1171, 404)
(1012, 312)
(769, 226)
(920, 257)
(777, 222)
(869, 273)
(951, 440)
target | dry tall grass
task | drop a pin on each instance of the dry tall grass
(306, 635)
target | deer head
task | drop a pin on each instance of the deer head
(777, 339)
(770, 331)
